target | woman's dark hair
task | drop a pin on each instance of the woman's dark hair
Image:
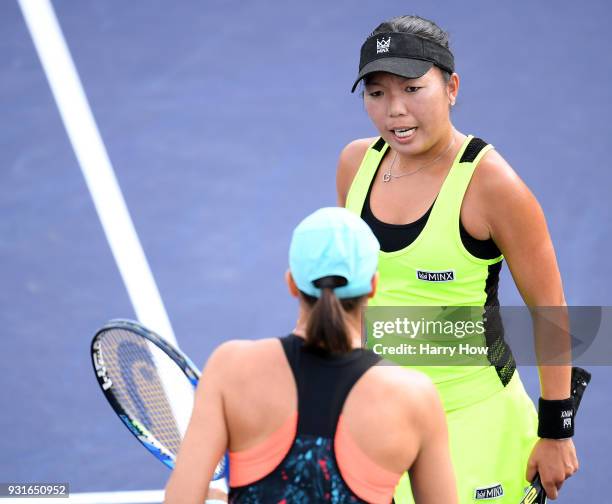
(326, 328)
(419, 26)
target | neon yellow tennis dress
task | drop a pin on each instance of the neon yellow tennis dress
(492, 422)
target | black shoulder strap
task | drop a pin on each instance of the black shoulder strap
(323, 383)
(292, 346)
(380, 143)
(469, 154)
(472, 150)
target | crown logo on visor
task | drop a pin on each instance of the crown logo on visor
(382, 46)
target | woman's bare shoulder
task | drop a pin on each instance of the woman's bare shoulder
(348, 164)
(242, 356)
(356, 148)
(494, 173)
(389, 375)
(411, 389)
(498, 186)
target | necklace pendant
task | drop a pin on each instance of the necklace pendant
(387, 177)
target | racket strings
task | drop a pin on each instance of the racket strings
(138, 386)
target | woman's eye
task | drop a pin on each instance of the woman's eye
(375, 93)
(412, 89)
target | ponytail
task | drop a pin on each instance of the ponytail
(326, 328)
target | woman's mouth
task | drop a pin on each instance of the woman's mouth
(404, 132)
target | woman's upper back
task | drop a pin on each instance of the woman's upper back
(260, 395)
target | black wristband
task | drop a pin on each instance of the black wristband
(556, 418)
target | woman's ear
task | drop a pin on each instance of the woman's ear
(374, 285)
(293, 290)
(453, 88)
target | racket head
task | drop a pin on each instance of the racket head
(149, 384)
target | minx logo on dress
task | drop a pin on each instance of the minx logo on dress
(490, 492)
(382, 46)
(436, 276)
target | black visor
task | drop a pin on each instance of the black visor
(402, 54)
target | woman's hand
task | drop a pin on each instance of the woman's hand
(555, 460)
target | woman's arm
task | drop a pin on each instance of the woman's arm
(518, 227)
(432, 477)
(348, 164)
(206, 439)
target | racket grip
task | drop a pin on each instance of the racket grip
(580, 380)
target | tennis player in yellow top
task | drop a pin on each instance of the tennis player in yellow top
(447, 209)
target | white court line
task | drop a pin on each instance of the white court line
(135, 497)
(131, 497)
(102, 183)
(96, 166)
(106, 194)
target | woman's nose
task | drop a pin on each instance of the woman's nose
(397, 106)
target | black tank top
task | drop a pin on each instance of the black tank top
(309, 472)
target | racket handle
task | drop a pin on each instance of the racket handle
(580, 380)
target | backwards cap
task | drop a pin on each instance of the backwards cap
(333, 242)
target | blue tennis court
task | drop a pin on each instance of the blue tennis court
(222, 123)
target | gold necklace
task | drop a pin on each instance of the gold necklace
(388, 175)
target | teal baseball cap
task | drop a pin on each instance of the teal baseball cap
(333, 242)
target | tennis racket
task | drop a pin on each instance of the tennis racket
(150, 385)
(536, 494)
